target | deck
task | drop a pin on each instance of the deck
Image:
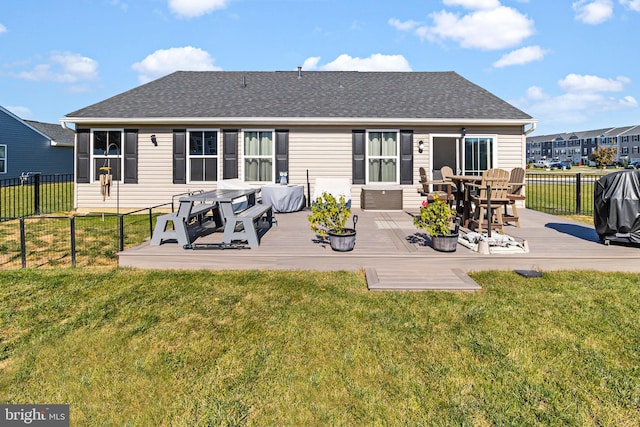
(389, 251)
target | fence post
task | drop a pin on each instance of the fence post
(36, 194)
(578, 194)
(23, 248)
(72, 224)
(121, 221)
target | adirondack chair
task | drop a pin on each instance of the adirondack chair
(440, 187)
(514, 194)
(492, 190)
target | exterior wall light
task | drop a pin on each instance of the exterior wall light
(154, 141)
(420, 147)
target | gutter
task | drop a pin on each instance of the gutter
(252, 121)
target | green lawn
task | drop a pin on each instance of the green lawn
(128, 347)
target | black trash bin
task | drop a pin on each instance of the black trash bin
(616, 210)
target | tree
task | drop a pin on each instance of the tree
(603, 155)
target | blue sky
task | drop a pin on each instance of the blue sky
(572, 65)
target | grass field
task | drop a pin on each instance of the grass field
(127, 347)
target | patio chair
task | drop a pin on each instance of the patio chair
(492, 190)
(430, 188)
(446, 172)
(514, 194)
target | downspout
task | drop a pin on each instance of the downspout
(533, 127)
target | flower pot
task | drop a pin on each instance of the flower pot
(342, 242)
(445, 243)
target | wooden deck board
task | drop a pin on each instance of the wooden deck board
(388, 243)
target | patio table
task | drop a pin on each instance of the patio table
(463, 200)
(232, 218)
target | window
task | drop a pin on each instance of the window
(107, 153)
(382, 156)
(3, 159)
(203, 155)
(635, 149)
(625, 150)
(478, 154)
(258, 156)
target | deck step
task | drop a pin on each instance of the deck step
(394, 279)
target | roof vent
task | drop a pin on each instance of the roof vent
(299, 72)
(244, 81)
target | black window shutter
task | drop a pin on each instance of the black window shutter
(406, 157)
(230, 155)
(282, 153)
(83, 156)
(180, 156)
(130, 156)
(359, 160)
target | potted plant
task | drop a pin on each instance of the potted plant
(439, 220)
(329, 216)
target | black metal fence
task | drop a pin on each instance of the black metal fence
(73, 241)
(561, 193)
(35, 194)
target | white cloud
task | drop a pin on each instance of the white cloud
(403, 26)
(593, 11)
(165, 61)
(3, 29)
(584, 100)
(376, 62)
(592, 84)
(521, 56)
(473, 4)
(64, 67)
(194, 8)
(311, 63)
(487, 29)
(631, 4)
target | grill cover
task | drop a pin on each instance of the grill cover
(616, 212)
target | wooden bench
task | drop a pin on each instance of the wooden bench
(243, 225)
(180, 220)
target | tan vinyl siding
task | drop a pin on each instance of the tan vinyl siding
(322, 151)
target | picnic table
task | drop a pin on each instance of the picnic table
(222, 200)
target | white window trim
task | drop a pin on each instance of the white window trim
(6, 149)
(94, 156)
(190, 156)
(273, 154)
(368, 156)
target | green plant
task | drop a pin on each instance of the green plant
(329, 213)
(603, 155)
(436, 218)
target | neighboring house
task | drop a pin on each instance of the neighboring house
(28, 146)
(577, 146)
(188, 130)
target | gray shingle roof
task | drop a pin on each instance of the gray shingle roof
(54, 131)
(325, 94)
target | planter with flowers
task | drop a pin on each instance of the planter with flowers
(439, 221)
